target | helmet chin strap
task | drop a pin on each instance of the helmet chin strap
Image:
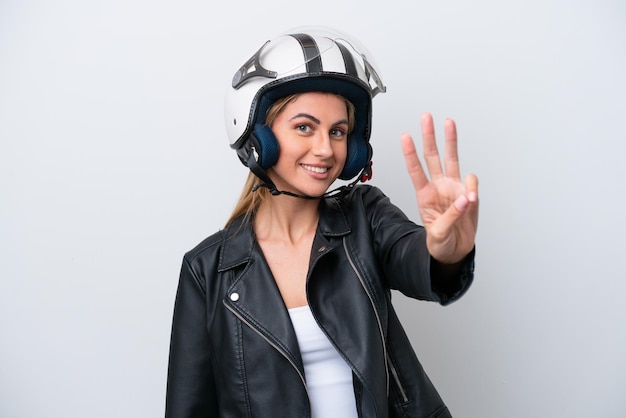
(366, 174)
(260, 172)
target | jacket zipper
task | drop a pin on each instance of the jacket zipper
(282, 352)
(396, 379)
(388, 363)
(380, 325)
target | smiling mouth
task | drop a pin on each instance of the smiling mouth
(319, 170)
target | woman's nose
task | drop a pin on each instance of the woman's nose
(321, 145)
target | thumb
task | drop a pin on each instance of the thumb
(451, 215)
(460, 204)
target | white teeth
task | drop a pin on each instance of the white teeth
(320, 170)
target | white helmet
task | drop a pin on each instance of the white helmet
(301, 60)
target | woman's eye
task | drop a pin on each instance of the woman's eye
(303, 128)
(338, 133)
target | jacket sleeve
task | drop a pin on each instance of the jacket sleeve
(191, 388)
(400, 247)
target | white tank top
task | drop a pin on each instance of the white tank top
(328, 377)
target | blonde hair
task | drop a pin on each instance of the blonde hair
(250, 200)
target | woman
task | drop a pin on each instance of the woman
(287, 311)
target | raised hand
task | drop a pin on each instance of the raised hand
(448, 206)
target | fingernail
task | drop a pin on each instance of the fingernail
(472, 197)
(461, 203)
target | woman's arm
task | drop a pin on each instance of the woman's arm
(191, 388)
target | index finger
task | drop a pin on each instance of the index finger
(413, 164)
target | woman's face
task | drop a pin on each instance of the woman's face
(312, 132)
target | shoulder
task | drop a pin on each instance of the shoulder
(372, 202)
(223, 249)
(365, 195)
(365, 192)
(202, 261)
(206, 247)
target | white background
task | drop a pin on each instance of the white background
(114, 162)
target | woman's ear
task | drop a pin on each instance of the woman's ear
(358, 156)
(265, 144)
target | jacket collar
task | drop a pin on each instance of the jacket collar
(238, 243)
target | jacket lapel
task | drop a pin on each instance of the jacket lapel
(253, 295)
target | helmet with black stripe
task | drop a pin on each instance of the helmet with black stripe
(301, 60)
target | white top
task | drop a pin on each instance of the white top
(328, 377)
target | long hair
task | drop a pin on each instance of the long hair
(250, 200)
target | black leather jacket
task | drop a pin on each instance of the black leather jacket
(234, 352)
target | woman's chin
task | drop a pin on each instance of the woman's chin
(310, 191)
(305, 188)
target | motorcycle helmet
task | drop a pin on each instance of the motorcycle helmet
(301, 60)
